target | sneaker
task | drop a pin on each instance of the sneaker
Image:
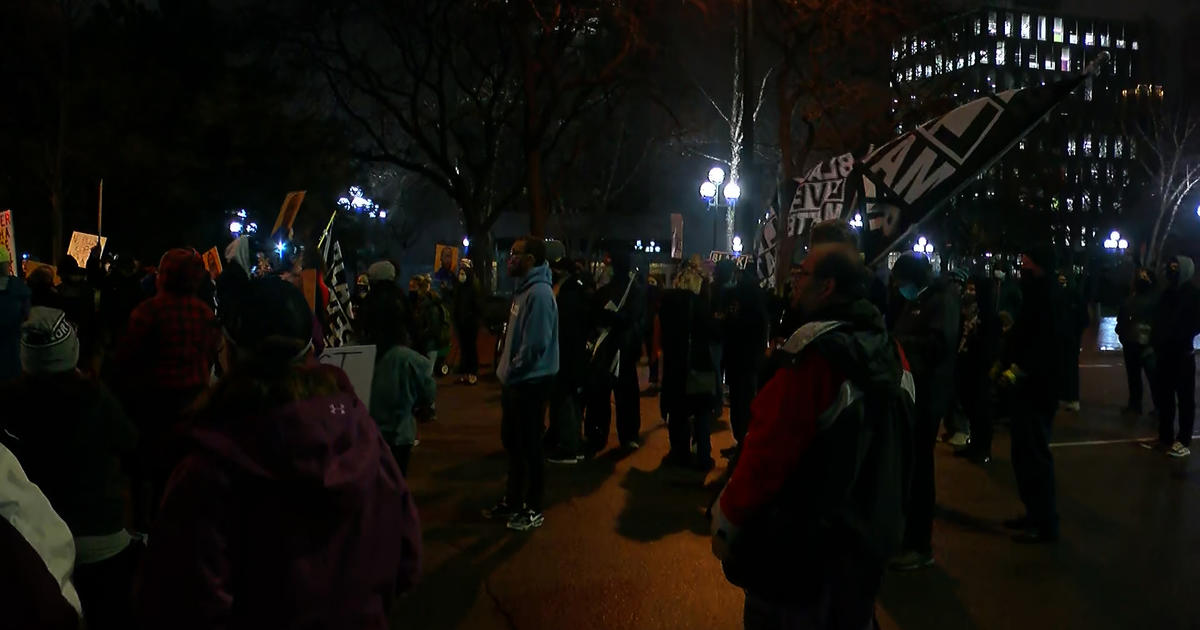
(911, 561)
(526, 520)
(959, 439)
(564, 458)
(472, 379)
(501, 510)
(1072, 406)
(1178, 450)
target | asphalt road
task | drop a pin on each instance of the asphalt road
(625, 543)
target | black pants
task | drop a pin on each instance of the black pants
(522, 426)
(106, 589)
(1134, 366)
(1069, 360)
(624, 389)
(1175, 377)
(566, 417)
(651, 355)
(402, 453)
(918, 529)
(1033, 465)
(689, 421)
(468, 349)
(742, 377)
(975, 396)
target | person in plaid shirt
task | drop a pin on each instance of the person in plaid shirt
(165, 361)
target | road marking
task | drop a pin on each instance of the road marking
(1105, 442)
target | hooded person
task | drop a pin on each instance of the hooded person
(1071, 309)
(688, 370)
(71, 435)
(1176, 324)
(566, 397)
(14, 308)
(619, 311)
(164, 361)
(467, 312)
(288, 510)
(926, 326)
(380, 307)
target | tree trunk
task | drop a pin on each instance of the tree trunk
(538, 212)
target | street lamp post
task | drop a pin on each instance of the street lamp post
(1116, 243)
(730, 195)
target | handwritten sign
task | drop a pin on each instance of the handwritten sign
(358, 362)
(81, 246)
(6, 236)
(287, 213)
(212, 262)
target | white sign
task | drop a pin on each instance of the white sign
(81, 246)
(358, 362)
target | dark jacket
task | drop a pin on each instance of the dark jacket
(979, 345)
(14, 307)
(928, 329)
(1135, 319)
(1071, 309)
(816, 501)
(467, 303)
(625, 324)
(298, 518)
(382, 320)
(1177, 315)
(574, 323)
(744, 324)
(686, 337)
(71, 435)
(1034, 341)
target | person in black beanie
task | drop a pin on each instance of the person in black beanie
(1031, 381)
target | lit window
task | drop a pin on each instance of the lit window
(1120, 43)
(971, 58)
(1095, 172)
(1008, 25)
(1134, 46)
(1074, 38)
(1089, 39)
(1070, 204)
(939, 63)
(1110, 172)
(912, 46)
(1065, 60)
(1058, 30)
(961, 63)
(1021, 145)
(1025, 26)
(1071, 145)
(1132, 156)
(908, 74)
(928, 71)
(899, 77)
(1105, 42)
(983, 56)
(1085, 201)
(978, 27)
(991, 22)
(1087, 90)
(1118, 147)
(1033, 61)
(1041, 28)
(1102, 147)
(1000, 56)
(1049, 64)
(1087, 144)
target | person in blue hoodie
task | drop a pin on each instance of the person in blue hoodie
(526, 369)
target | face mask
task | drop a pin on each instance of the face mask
(909, 291)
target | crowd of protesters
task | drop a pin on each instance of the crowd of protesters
(165, 427)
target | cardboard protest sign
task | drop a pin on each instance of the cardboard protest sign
(358, 362)
(445, 257)
(81, 246)
(29, 266)
(212, 262)
(7, 241)
(288, 212)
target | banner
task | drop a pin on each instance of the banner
(212, 262)
(7, 240)
(676, 236)
(901, 183)
(766, 249)
(338, 309)
(738, 260)
(358, 362)
(287, 213)
(81, 246)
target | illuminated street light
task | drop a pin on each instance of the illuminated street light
(857, 221)
(923, 246)
(733, 192)
(716, 175)
(737, 245)
(708, 192)
(235, 227)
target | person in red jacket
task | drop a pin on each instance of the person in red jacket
(288, 510)
(815, 505)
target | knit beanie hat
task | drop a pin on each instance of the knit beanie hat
(48, 342)
(382, 271)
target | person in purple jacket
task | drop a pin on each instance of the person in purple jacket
(289, 510)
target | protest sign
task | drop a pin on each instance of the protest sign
(81, 246)
(358, 362)
(287, 213)
(6, 237)
(29, 266)
(212, 262)
(677, 236)
(445, 257)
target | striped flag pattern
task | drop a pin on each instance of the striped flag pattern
(338, 307)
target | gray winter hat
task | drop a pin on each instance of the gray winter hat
(48, 342)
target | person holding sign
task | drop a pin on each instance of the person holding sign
(14, 307)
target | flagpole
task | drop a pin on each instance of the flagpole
(100, 211)
(325, 234)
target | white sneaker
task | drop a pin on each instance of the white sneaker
(1072, 406)
(959, 439)
(1178, 450)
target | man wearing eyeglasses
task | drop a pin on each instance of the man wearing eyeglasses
(527, 368)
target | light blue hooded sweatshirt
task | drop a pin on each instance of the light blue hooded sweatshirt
(531, 343)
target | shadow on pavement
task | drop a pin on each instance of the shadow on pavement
(647, 517)
(925, 599)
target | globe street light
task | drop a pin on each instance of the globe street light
(733, 192)
(923, 246)
(708, 192)
(729, 195)
(716, 175)
(1115, 242)
(737, 246)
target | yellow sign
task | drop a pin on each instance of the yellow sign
(212, 262)
(81, 246)
(30, 266)
(288, 212)
(6, 236)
